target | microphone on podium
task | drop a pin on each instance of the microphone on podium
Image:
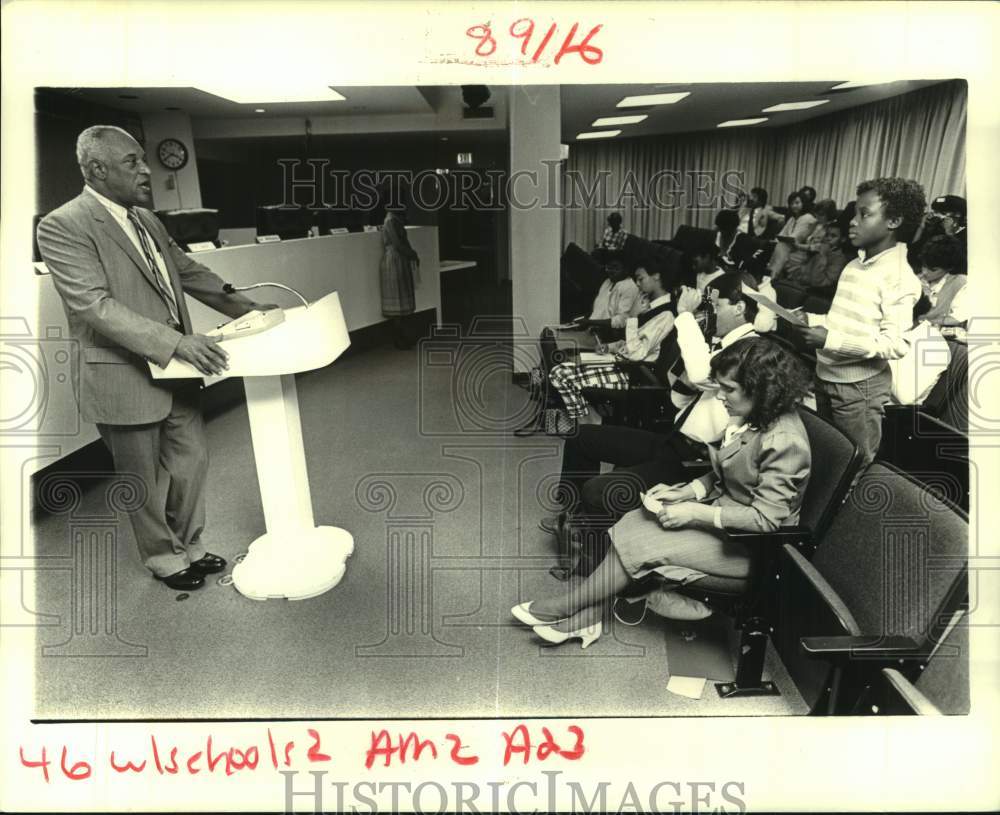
(256, 321)
(229, 288)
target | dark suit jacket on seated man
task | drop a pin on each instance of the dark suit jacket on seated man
(122, 281)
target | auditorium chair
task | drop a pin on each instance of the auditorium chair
(580, 276)
(928, 449)
(941, 686)
(949, 398)
(646, 404)
(690, 239)
(666, 258)
(880, 591)
(752, 601)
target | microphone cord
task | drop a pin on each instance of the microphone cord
(229, 288)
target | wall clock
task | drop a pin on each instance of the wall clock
(172, 154)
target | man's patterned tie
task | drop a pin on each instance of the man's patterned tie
(147, 249)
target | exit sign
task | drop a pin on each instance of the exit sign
(464, 158)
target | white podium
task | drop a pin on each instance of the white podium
(294, 559)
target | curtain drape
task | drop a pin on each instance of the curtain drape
(918, 135)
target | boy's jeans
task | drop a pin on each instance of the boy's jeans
(857, 409)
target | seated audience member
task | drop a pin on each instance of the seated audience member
(569, 379)
(827, 260)
(946, 216)
(797, 229)
(872, 308)
(944, 285)
(736, 250)
(618, 295)
(759, 474)
(613, 239)
(756, 215)
(704, 265)
(808, 195)
(845, 217)
(643, 457)
(617, 298)
(825, 212)
(951, 209)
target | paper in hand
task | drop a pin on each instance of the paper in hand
(589, 358)
(654, 505)
(781, 311)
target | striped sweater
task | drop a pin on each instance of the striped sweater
(872, 308)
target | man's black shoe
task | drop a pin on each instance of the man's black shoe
(209, 564)
(184, 580)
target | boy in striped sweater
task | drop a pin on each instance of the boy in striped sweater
(872, 308)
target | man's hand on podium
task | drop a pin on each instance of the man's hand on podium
(203, 353)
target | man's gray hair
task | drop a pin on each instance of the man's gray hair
(90, 145)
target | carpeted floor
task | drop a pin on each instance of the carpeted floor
(407, 450)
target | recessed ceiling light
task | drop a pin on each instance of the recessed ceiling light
(618, 120)
(845, 85)
(598, 134)
(652, 99)
(795, 106)
(260, 110)
(262, 93)
(740, 122)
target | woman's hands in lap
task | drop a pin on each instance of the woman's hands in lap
(677, 516)
(667, 493)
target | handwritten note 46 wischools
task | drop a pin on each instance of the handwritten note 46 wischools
(166, 759)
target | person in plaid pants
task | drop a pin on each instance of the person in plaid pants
(569, 379)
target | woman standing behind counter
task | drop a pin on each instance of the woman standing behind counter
(400, 265)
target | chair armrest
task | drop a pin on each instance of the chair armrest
(633, 366)
(696, 467)
(781, 535)
(896, 694)
(645, 379)
(844, 648)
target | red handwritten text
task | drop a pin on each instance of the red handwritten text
(519, 743)
(524, 30)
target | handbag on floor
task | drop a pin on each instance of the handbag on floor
(550, 421)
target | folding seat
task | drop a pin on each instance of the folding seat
(930, 450)
(881, 590)
(646, 404)
(752, 601)
(941, 686)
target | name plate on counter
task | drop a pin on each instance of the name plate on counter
(339, 230)
(201, 246)
(371, 228)
(268, 238)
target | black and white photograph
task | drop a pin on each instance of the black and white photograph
(529, 422)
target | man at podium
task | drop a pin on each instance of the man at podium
(122, 281)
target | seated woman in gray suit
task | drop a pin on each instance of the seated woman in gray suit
(760, 469)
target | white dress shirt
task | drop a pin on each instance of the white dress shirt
(645, 346)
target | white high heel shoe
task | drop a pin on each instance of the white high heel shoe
(520, 612)
(586, 635)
